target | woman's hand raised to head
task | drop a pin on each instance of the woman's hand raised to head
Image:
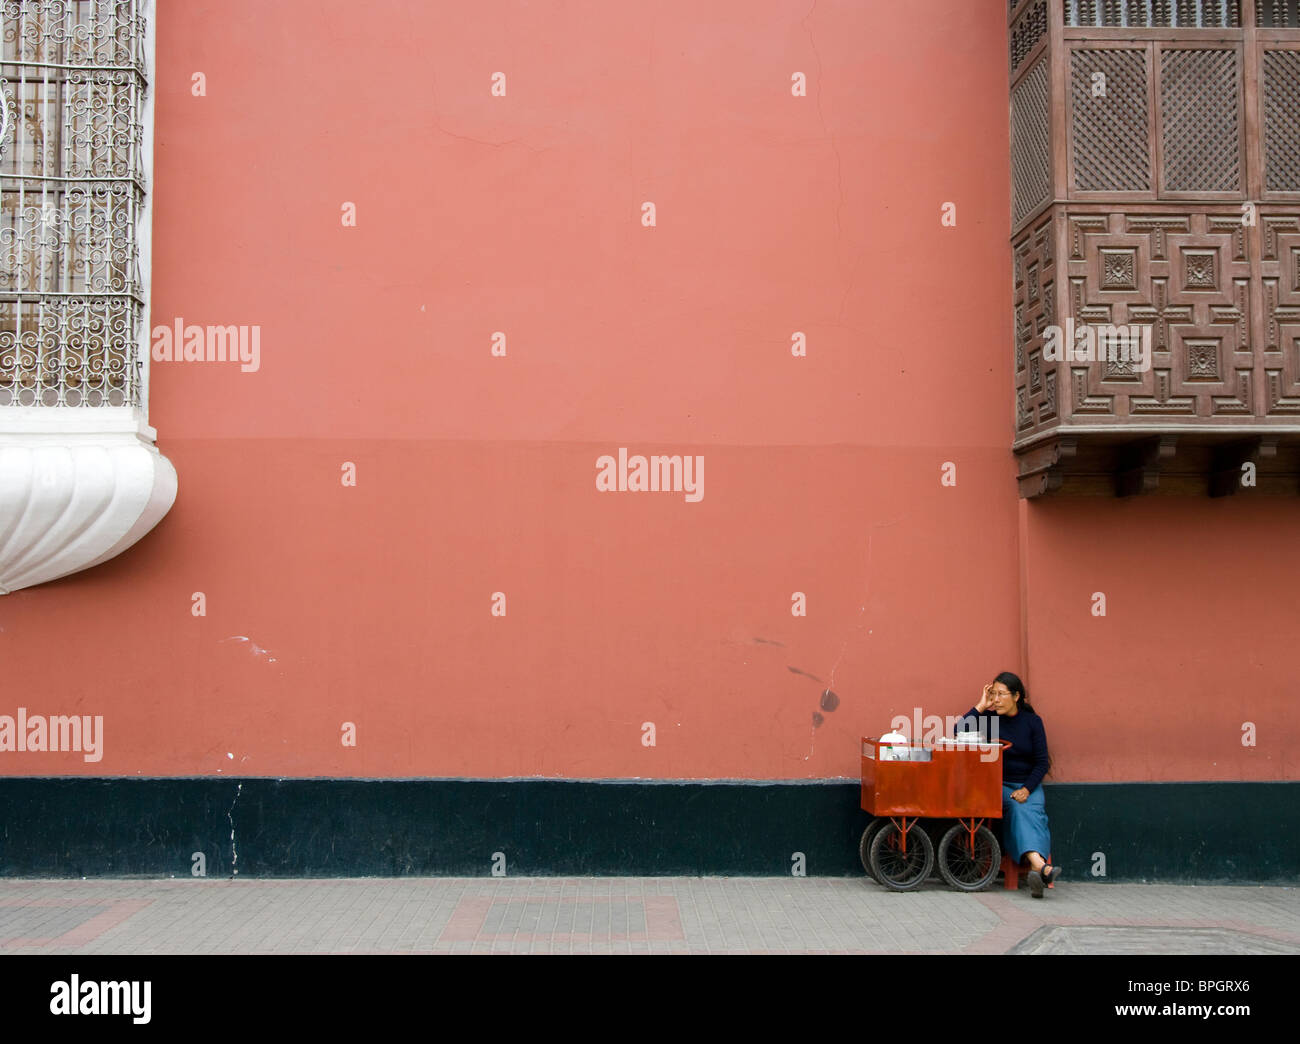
(986, 699)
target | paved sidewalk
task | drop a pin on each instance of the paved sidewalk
(634, 915)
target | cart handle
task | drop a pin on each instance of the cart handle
(1006, 744)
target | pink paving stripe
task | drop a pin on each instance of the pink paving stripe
(662, 919)
(465, 921)
(88, 931)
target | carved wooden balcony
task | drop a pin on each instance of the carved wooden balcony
(1155, 155)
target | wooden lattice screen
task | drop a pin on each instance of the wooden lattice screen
(1155, 158)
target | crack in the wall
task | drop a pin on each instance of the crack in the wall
(866, 595)
(829, 699)
(230, 815)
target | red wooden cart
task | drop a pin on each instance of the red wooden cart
(910, 797)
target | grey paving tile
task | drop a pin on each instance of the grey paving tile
(608, 915)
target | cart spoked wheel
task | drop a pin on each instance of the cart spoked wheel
(898, 869)
(864, 846)
(967, 862)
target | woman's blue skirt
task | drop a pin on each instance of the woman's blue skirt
(1024, 825)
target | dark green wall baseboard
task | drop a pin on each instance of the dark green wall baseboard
(80, 827)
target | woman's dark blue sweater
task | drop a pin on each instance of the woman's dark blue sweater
(1024, 763)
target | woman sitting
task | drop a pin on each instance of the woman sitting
(1004, 713)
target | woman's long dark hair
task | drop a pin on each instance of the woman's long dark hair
(1017, 687)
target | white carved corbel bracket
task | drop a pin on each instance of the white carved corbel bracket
(69, 502)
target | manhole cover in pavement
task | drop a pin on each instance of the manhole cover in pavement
(1132, 939)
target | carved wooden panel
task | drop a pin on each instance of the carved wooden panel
(1188, 277)
(1109, 120)
(1026, 31)
(1031, 174)
(1037, 402)
(1280, 280)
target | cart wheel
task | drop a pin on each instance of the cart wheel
(964, 869)
(864, 846)
(896, 870)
